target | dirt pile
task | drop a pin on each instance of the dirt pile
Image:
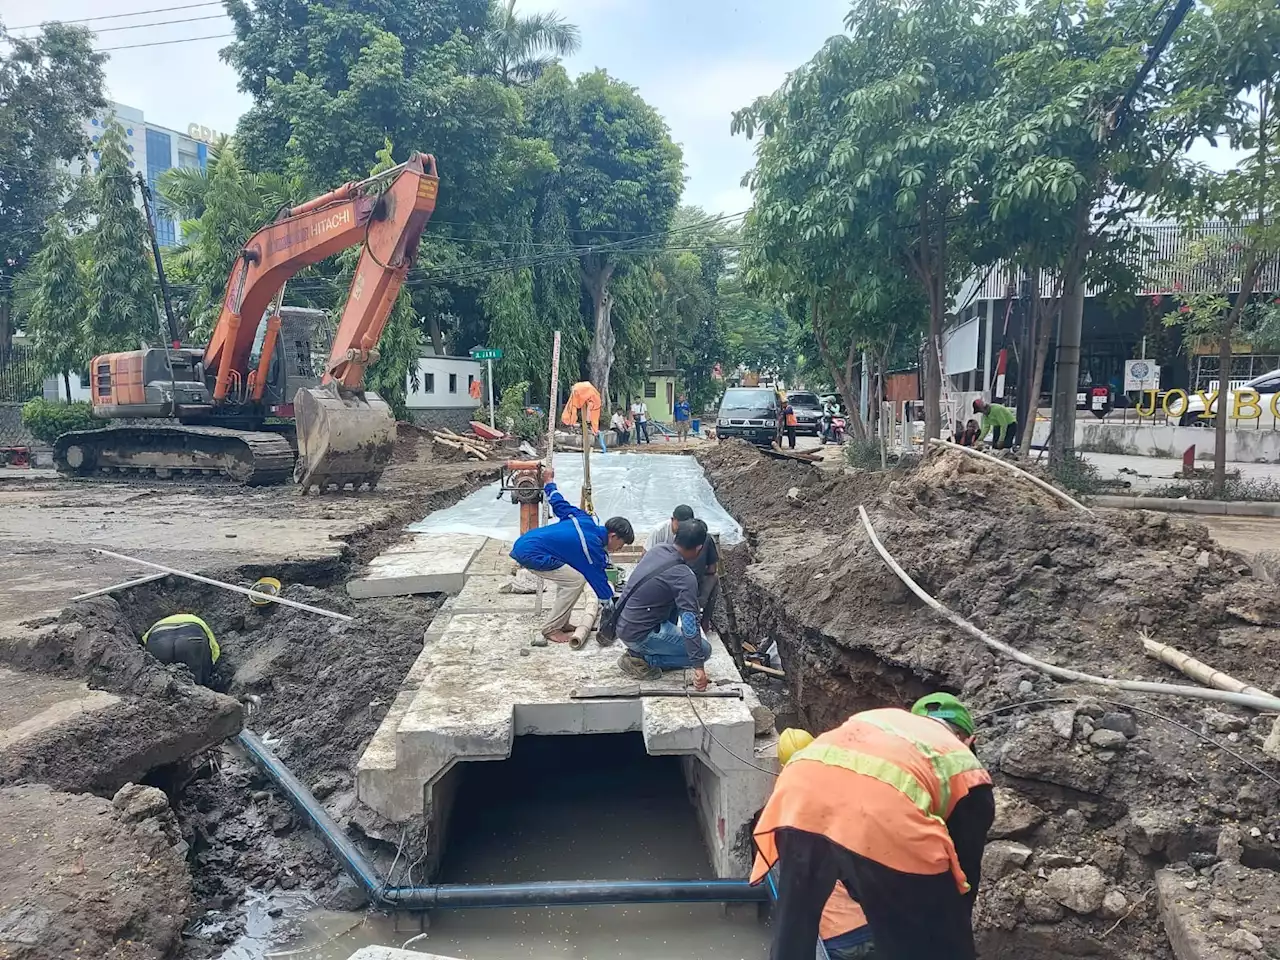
(81, 876)
(1095, 795)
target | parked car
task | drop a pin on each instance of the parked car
(808, 408)
(751, 413)
(1266, 386)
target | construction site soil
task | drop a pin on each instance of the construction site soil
(314, 688)
(1094, 792)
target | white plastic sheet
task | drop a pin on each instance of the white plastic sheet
(643, 487)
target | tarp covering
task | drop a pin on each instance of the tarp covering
(643, 487)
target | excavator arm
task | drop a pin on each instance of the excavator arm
(344, 435)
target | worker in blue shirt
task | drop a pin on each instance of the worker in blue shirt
(571, 554)
(683, 414)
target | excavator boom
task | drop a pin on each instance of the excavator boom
(344, 435)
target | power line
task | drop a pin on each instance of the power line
(119, 16)
(160, 23)
(163, 43)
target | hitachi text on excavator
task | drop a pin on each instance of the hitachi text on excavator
(211, 406)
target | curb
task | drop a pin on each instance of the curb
(1229, 508)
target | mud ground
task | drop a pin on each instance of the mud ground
(315, 688)
(48, 527)
(1094, 796)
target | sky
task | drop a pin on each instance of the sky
(696, 61)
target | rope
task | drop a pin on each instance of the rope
(1060, 673)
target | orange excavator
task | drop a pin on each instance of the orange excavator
(218, 411)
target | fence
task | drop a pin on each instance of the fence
(20, 380)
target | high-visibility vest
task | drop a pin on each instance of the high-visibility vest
(841, 914)
(882, 786)
(178, 618)
(791, 418)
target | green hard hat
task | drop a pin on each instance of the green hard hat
(943, 706)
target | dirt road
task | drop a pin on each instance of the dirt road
(48, 528)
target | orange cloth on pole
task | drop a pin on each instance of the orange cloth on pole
(881, 785)
(583, 396)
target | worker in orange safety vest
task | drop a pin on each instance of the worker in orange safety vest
(895, 806)
(843, 928)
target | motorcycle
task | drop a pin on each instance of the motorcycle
(833, 428)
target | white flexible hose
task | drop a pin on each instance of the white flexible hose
(1048, 487)
(1061, 673)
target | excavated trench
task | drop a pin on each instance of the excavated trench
(1112, 824)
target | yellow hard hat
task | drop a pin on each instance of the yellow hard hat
(790, 742)
(265, 587)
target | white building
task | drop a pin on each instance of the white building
(445, 383)
(153, 149)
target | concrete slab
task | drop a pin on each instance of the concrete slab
(429, 563)
(478, 684)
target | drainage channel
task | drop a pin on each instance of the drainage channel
(582, 806)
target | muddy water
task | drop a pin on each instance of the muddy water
(592, 808)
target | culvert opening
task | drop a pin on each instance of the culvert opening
(593, 807)
(590, 807)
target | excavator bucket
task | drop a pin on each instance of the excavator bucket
(343, 437)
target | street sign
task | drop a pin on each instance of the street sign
(486, 353)
(1141, 375)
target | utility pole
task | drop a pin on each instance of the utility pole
(174, 337)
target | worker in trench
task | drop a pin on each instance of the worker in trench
(705, 566)
(571, 554)
(186, 639)
(998, 421)
(658, 612)
(894, 806)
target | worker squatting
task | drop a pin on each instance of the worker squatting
(669, 597)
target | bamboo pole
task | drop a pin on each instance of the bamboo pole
(149, 578)
(1197, 669)
(229, 586)
(579, 638)
(1048, 487)
(1266, 702)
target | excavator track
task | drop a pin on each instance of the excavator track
(252, 458)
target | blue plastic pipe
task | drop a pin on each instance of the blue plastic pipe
(558, 893)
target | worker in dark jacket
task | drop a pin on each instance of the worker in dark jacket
(571, 554)
(658, 617)
(184, 638)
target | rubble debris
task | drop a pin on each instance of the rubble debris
(82, 877)
(1116, 793)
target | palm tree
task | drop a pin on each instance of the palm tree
(518, 49)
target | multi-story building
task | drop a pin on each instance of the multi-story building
(153, 149)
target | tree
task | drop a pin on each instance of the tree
(55, 318)
(122, 309)
(219, 207)
(619, 180)
(1222, 270)
(48, 85)
(519, 49)
(861, 162)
